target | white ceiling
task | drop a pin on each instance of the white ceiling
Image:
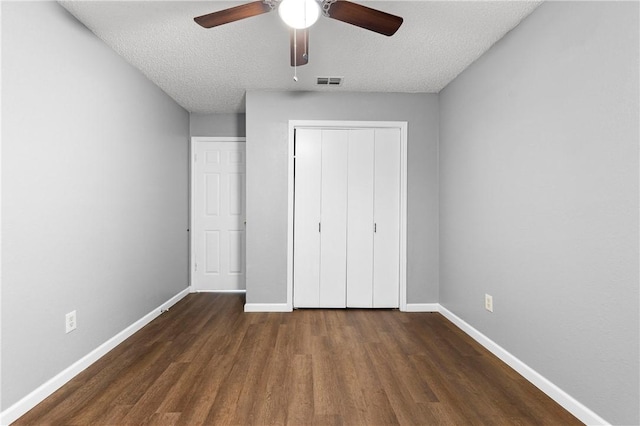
(209, 70)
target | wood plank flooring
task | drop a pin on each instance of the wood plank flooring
(207, 362)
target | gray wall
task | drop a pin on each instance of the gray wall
(217, 124)
(94, 194)
(539, 199)
(268, 114)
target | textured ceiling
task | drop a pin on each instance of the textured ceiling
(209, 70)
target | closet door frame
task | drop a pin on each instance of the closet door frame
(323, 124)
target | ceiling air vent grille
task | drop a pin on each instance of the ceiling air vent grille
(329, 81)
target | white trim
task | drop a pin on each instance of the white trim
(192, 144)
(290, 206)
(403, 216)
(569, 403)
(218, 139)
(267, 307)
(191, 290)
(1, 422)
(422, 307)
(310, 124)
(18, 409)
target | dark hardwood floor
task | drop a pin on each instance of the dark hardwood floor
(207, 362)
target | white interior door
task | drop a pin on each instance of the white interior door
(360, 219)
(346, 237)
(333, 235)
(386, 259)
(218, 216)
(307, 191)
(320, 255)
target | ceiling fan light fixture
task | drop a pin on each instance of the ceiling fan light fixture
(299, 14)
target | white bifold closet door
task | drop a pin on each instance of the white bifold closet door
(320, 260)
(373, 219)
(360, 221)
(307, 190)
(347, 223)
(386, 207)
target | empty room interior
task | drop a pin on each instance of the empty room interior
(405, 212)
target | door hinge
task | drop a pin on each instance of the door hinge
(375, 227)
(195, 267)
(319, 227)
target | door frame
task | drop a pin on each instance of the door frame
(339, 124)
(192, 160)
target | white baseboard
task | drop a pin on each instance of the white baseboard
(267, 307)
(572, 405)
(18, 409)
(422, 307)
(219, 291)
(569, 403)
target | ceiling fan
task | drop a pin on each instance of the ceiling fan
(301, 14)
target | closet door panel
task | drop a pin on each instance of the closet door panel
(333, 235)
(360, 219)
(386, 281)
(307, 191)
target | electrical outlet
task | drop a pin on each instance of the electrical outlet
(70, 322)
(488, 302)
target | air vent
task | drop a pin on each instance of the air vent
(329, 81)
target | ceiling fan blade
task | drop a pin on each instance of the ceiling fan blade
(232, 14)
(299, 47)
(365, 17)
